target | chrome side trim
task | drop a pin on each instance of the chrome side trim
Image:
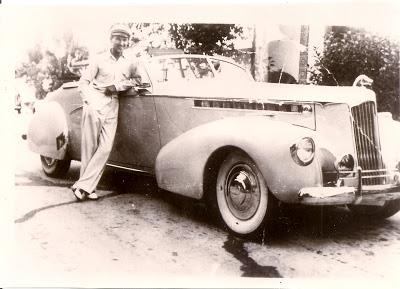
(129, 169)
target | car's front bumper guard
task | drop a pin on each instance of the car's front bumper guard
(358, 195)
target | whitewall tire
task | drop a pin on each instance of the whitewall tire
(242, 195)
(55, 168)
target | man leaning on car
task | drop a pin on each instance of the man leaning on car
(108, 73)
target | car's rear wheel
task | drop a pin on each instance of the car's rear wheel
(55, 168)
(376, 212)
(243, 200)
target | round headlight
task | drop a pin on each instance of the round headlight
(303, 151)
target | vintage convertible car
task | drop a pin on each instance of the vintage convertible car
(205, 129)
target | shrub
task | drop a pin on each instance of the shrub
(349, 52)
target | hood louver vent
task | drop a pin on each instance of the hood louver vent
(235, 104)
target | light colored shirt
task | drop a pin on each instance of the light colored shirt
(105, 70)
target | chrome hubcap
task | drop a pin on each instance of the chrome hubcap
(242, 192)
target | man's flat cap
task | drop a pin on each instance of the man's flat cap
(120, 29)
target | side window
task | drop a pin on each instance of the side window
(200, 68)
(188, 70)
(166, 70)
(228, 71)
(179, 69)
(144, 78)
(156, 69)
(172, 70)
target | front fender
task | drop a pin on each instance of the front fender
(181, 164)
(48, 130)
(389, 131)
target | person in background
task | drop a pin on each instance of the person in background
(108, 74)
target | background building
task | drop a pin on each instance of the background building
(281, 53)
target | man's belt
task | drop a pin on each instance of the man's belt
(111, 93)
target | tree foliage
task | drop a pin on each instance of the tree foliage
(205, 38)
(45, 71)
(42, 69)
(154, 35)
(350, 52)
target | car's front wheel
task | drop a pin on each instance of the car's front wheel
(376, 212)
(243, 200)
(55, 168)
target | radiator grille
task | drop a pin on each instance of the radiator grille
(367, 142)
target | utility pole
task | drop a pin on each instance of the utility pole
(253, 54)
(303, 62)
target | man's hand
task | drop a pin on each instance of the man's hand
(126, 84)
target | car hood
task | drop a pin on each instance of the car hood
(261, 91)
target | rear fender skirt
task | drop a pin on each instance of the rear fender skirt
(48, 130)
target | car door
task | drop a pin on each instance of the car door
(137, 139)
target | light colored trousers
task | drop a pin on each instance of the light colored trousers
(99, 124)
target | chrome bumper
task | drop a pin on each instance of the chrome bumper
(375, 195)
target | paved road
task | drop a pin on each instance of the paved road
(136, 231)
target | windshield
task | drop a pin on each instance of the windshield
(178, 69)
(229, 71)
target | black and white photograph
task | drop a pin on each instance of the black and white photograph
(194, 145)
